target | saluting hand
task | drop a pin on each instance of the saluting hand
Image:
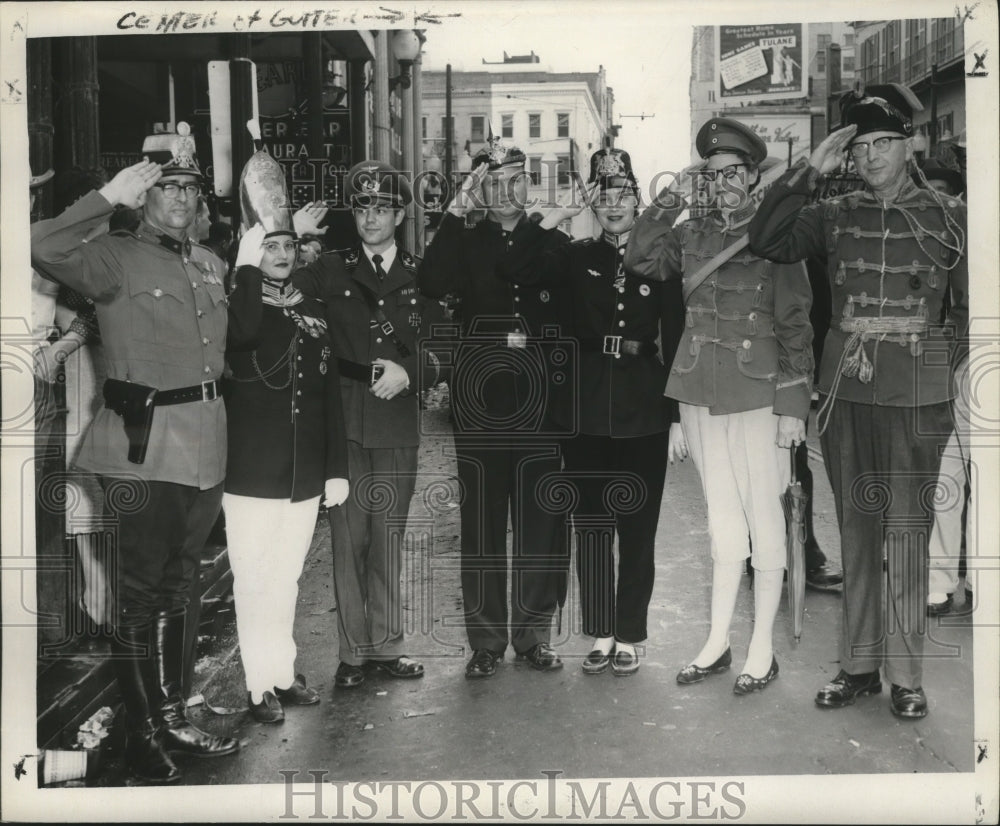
(569, 205)
(470, 195)
(791, 431)
(830, 153)
(392, 382)
(251, 251)
(129, 187)
(307, 220)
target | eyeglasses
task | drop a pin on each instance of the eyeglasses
(860, 148)
(727, 172)
(172, 190)
(274, 247)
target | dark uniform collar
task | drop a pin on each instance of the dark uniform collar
(147, 231)
(616, 240)
(737, 218)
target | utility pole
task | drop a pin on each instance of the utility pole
(448, 131)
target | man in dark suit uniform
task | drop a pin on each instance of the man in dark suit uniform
(376, 318)
(506, 437)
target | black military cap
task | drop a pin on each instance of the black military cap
(175, 153)
(611, 168)
(374, 183)
(498, 154)
(728, 135)
(883, 108)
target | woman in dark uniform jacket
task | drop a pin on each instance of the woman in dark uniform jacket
(618, 459)
(286, 448)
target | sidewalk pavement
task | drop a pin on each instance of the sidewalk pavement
(522, 722)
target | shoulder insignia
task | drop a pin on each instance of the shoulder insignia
(410, 262)
(350, 256)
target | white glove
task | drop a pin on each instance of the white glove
(336, 492)
(251, 247)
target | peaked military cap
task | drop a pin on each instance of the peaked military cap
(729, 135)
(375, 183)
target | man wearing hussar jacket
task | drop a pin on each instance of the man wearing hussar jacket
(893, 252)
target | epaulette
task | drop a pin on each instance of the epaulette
(409, 261)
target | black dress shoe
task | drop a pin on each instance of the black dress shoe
(349, 676)
(908, 702)
(483, 663)
(298, 694)
(402, 668)
(268, 710)
(695, 673)
(597, 662)
(843, 689)
(824, 578)
(936, 609)
(745, 684)
(624, 663)
(542, 657)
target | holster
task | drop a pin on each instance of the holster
(135, 403)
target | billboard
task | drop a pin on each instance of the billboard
(768, 62)
(777, 130)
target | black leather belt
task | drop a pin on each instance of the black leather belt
(618, 346)
(207, 391)
(354, 370)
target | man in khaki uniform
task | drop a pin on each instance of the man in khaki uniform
(161, 308)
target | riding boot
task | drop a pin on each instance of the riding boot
(180, 735)
(132, 659)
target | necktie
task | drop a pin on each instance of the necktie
(377, 261)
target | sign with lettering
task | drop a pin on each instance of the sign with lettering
(286, 139)
(777, 130)
(767, 62)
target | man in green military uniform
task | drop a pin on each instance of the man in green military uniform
(161, 308)
(376, 318)
(893, 252)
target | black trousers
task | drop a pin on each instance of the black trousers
(161, 528)
(515, 477)
(883, 465)
(619, 485)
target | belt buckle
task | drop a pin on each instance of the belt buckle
(612, 346)
(517, 340)
(209, 391)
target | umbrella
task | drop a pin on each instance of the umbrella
(793, 501)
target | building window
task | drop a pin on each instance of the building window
(535, 171)
(423, 128)
(820, 61)
(507, 126)
(849, 39)
(444, 127)
(477, 128)
(562, 170)
(534, 125)
(711, 95)
(945, 126)
(847, 64)
(562, 124)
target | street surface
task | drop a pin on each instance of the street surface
(522, 722)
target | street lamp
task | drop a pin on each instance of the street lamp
(406, 45)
